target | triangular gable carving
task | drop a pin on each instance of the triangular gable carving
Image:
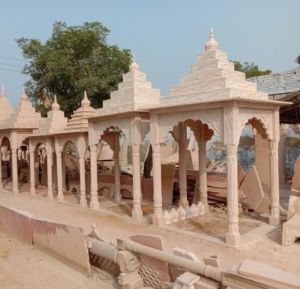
(134, 92)
(55, 122)
(212, 77)
(79, 120)
(6, 109)
(24, 117)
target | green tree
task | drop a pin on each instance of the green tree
(73, 59)
(298, 59)
(250, 69)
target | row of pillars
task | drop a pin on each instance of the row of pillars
(59, 170)
(137, 213)
(232, 235)
(202, 174)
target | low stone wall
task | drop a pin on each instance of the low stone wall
(16, 223)
(64, 241)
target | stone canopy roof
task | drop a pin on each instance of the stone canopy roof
(135, 92)
(212, 78)
(6, 109)
(55, 121)
(79, 120)
(24, 117)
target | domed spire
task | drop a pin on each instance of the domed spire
(211, 44)
(133, 66)
(55, 105)
(85, 102)
(24, 96)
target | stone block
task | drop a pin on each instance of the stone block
(252, 188)
(16, 223)
(64, 241)
(167, 183)
(291, 230)
(152, 264)
(268, 275)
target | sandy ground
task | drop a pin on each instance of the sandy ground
(23, 267)
(261, 244)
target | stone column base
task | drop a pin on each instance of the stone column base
(183, 202)
(94, 205)
(60, 197)
(157, 220)
(233, 239)
(274, 220)
(137, 215)
(83, 202)
(118, 197)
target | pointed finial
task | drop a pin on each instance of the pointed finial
(85, 102)
(55, 105)
(133, 66)
(24, 96)
(2, 90)
(211, 44)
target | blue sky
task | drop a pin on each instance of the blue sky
(165, 36)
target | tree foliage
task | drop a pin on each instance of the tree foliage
(250, 69)
(297, 60)
(73, 59)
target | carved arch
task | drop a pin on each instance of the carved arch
(212, 118)
(263, 118)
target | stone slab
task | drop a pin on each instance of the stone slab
(167, 183)
(291, 230)
(293, 200)
(156, 243)
(147, 189)
(65, 241)
(16, 223)
(252, 188)
(296, 176)
(271, 275)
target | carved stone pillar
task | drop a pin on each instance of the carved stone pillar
(137, 213)
(274, 218)
(14, 160)
(83, 202)
(117, 169)
(203, 173)
(157, 192)
(32, 171)
(281, 156)
(94, 204)
(64, 171)
(232, 235)
(156, 169)
(1, 182)
(182, 165)
(49, 173)
(60, 193)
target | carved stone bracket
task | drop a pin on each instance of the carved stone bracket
(213, 119)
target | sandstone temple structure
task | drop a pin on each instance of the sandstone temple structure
(135, 125)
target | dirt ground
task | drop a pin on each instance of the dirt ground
(23, 267)
(261, 242)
